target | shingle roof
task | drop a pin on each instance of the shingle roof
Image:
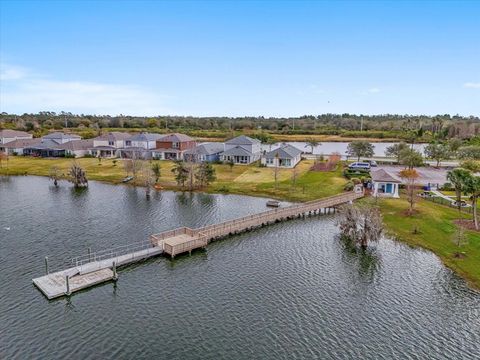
(176, 137)
(59, 135)
(7, 133)
(206, 149)
(237, 151)
(46, 144)
(285, 152)
(382, 176)
(242, 140)
(145, 137)
(21, 143)
(77, 145)
(114, 136)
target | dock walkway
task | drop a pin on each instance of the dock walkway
(101, 267)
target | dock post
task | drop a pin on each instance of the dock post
(115, 276)
(67, 280)
(46, 264)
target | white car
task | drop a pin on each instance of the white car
(359, 166)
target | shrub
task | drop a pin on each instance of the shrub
(447, 187)
(70, 156)
(348, 186)
(355, 180)
(89, 156)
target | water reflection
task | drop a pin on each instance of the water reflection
(366, 261)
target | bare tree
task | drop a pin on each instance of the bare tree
(147, 178)
(4, 158)
(294, 177)
(77, 176)
(275, 170)
(361, 224)
(410, 176)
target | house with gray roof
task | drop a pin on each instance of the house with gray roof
(8, 135)
(204, 152)
(242, 150)
(77, 148)
(61, 138)
(286, 156)
(147, 141)
(385, 184)
(16, 147)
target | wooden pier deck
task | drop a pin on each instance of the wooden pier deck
(101, 267)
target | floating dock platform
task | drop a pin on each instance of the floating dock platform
(99, 267)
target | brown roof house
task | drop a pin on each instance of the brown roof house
(385, 184)
(172, 146)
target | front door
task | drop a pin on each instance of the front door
(388, 188)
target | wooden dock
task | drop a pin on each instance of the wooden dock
(96, 268)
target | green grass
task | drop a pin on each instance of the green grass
(247, 180)
(436, 229)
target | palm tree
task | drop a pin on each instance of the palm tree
(472, 187)
(458, 178)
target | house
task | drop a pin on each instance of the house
(61, 138)
(384, 184)
(77, 148)
(173, 146)
(241, 150)
(16, 147)
(7, 136)
(140, 146)
(107, 145)
(286, 156)
(205, 152)
(46, 148)
(51, 145)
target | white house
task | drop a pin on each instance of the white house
(7, 136)
(384, 184)
(77, 148)
(145, 141)
(107, 145)
(242, 150)
(16, 147)
(286, 156)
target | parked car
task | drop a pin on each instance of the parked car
(372, 163)
(462, 203)
(359, 165)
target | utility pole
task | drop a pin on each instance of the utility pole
(361, 124)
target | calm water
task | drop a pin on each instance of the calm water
(328, 148)
(288, 291)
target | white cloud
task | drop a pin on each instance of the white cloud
(472, 85)
(23, 91)
(374, 90)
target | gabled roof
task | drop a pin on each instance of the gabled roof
(59, 135)
(206, 149)
(237, 151)
(176, 137)
(77, 145)
(20, 143)
(46, 144)
(285, 152)
(382, 176)
(145, 137)
(113, 136)
(242, 140)
(7, 133)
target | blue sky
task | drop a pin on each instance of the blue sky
(240, 58)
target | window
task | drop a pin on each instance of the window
(269, 161)
(287, 162)
(175, 145)
(111, 143)
(128, 143)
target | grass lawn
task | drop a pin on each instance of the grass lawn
(248, 180)
(436, 230)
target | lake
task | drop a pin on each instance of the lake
(327, 148)
(293, 290)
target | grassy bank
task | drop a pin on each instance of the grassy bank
(247, 180)
(436, 229)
